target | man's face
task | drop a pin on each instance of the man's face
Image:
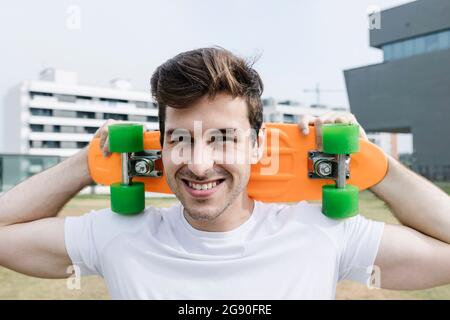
(207, 154)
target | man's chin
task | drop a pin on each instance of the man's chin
(202, 212)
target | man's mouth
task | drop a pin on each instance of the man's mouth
(202, 188)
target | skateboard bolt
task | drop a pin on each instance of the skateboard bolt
(141, 167)
(324, 169)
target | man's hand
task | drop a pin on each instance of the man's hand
(103, 134)
(330, 117)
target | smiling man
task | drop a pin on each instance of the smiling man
(218, 243)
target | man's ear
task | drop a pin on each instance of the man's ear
(258, 147)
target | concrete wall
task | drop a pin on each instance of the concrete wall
(410, 20)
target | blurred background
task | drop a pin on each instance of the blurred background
(67, 66)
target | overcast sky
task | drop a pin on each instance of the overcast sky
(301, 42)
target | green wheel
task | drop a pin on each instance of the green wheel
(340, 138)
(340, 203)
(127, 199)
(126, 137)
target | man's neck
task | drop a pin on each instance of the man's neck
(233, 216)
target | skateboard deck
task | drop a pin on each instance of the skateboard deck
(280, 176)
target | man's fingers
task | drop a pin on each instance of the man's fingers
(318, 124)
(105, 147)
(103, 134)
(362, 133)
(304, 123)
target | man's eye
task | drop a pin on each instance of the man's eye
(179, 139)
(219, 139)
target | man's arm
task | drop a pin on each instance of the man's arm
(35, 248)
(415, 202)
(44, 194)
(414, 255)
(31, 238)
(417, 254)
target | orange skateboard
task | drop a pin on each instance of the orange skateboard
(291, 168)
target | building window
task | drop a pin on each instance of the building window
(36, 127)
(289, 118)
(50, 144)
(64, 113)
(408, 48)
(397, 50)
(144, 104)
(35, 144)
(115, 116)
(40, 94)
(67, 129)
(152, 119)
(274, 117)
(416, 46)
(85, 115)
(90, 129)
(387, 50)
(431, 43)
(82, 144)
(41, 112)
(83, 98)
(444, 40)
(419, 46)
(113, 101)
(66, 98)
(132, 117)
(68, 144)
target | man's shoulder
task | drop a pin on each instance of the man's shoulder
(105, 224)
(151, 213)
(302, 212)
(308, 218)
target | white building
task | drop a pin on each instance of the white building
(57, 116)
(291, 111)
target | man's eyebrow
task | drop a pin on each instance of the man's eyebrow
(170, 131)
(227, 130)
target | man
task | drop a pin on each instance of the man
(218, 243)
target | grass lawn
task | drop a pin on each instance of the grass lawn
(17, 286)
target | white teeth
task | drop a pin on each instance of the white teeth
(204, 186)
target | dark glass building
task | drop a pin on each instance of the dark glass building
(409, 92)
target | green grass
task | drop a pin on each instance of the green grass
(17, 286)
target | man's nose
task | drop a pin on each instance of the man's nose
(201, 160)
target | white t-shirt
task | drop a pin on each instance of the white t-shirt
(281, 252)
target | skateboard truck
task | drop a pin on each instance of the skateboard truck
(139, 164)
(323, 165)
(142, 164)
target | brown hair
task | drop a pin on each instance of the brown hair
(190, 75)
